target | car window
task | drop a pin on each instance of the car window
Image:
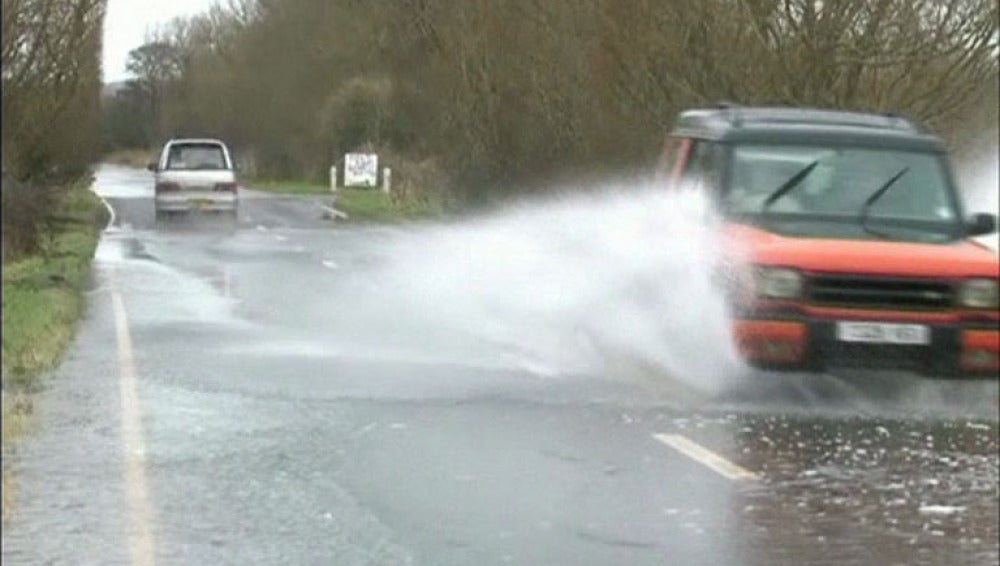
(842, 180)
(671, 160)
(704, 167)
(196, 157)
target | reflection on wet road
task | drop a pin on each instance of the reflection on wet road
(295, 410)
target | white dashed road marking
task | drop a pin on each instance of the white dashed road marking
(705, 457)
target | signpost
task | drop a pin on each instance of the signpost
(361, 170)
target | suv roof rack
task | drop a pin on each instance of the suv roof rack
(905, 121)
(727, 121)
(737, 116)
(732, 111)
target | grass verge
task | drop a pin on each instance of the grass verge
(43, 299)
(371, 205)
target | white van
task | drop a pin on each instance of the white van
(195, 174)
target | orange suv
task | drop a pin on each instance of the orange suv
(862, 253)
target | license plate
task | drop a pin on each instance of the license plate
(883, 333)
(202, 202)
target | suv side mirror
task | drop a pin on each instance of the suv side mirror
(981, 224)
(152, 167)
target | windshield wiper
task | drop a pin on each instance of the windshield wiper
(787, 186)
(882, 190)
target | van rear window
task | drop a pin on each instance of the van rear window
(196, 157)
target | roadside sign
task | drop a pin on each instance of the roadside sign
(360, 170)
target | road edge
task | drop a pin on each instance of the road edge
(67, 295)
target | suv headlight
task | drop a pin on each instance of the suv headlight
(979, 294)
(778, 283)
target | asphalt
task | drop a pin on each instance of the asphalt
(292, 410)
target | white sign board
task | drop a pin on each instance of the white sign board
(360, 170)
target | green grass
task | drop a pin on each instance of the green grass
(17, 412)
(369, 205)
(43, 300)
(43, 294)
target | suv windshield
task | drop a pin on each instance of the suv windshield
(830, 200)
(196, 157)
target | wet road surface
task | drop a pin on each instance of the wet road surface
(258, 414)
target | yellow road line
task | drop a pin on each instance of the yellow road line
(705, 457)
(141, 541)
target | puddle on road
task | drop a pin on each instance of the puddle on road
(564, 286)
(157, 293)
(115, 181)
(615, 283)
(581, 286)
(904, 487)
(865, 393)
(841, 489)
(574, 286)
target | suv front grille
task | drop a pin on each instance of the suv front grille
(880, 293)
(875, 356)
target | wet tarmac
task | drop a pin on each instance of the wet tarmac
(291, 413)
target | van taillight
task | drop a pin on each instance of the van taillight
(231, 187)
(167, 187)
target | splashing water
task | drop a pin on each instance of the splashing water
(979, 179)
(570, 285)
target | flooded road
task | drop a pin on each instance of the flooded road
(290, 391)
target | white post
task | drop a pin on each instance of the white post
(387, 180)
(333, 179)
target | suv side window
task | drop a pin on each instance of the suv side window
(704, 166)
(673, 150)
(673, 158)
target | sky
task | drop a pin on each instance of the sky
(127, 22)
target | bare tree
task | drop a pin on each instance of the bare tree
(51, 109)
(50, 71)
(506, 93)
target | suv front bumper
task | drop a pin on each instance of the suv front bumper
(812, 345)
